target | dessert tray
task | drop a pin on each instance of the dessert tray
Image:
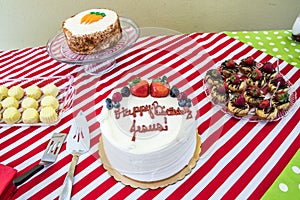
(97, 63)
(65, 96)
(251, 116)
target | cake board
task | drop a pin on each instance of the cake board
(154, 184)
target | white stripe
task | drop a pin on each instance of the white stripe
(9, 68)
(264, 171)
(15, 57)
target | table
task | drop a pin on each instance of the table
(239, 159)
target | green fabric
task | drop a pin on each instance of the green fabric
(287, 185)
(277, 43)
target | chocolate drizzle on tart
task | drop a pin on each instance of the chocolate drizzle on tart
(253, 96)
(268, 70)
(266, 110)
(247, 65)
(219, 93)
(256, 78)
(228, 68)
(238, 106)
(256, 82)
(235, 83)
(283, 86)
(213, 77)
(281, 100)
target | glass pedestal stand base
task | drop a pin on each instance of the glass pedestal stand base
(100, 68)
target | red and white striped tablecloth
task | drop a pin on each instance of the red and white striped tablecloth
(239, 159)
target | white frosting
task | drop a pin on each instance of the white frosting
(154, 155)
(76, 28)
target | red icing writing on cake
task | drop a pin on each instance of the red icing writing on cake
(143, 128)
(152, 110)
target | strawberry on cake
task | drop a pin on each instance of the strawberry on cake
(149, 132)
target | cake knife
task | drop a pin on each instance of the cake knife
(78, 143)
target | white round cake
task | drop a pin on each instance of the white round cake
(148, 138)
(92, 30)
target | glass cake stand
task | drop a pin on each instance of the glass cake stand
(98, 63)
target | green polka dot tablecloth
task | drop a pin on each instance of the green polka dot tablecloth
(277, 43)
(287, 185)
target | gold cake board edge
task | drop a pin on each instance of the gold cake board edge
(154, 184)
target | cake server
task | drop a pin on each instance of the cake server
(49, 157)
(78, 143)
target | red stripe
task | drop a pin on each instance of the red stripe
(276, 170)
(125, 191)
(264, 157)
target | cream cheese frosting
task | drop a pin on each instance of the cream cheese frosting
(155, 154)
(76, 28)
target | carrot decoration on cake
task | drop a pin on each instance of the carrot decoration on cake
(92, 17)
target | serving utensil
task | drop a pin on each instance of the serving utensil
(48, 158)
(78, 143)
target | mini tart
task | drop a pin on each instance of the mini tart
(50, 90)
(219, 96)
(269, 73)
(281, 103)
(213, 77)
(266, 113)
(30, 116)
(272, 85)
(10, 102)
(11, 115)
(253, 100)
(236, 87)
(34, 92)
(254, 82)
(50, 101)
(16, 92)
(3, 92)
(228, 71)
(239, 111)
(48, 115)
(245, 68)
(29, 102)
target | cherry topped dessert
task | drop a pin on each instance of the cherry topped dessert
(247, 65)
(228, 68)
